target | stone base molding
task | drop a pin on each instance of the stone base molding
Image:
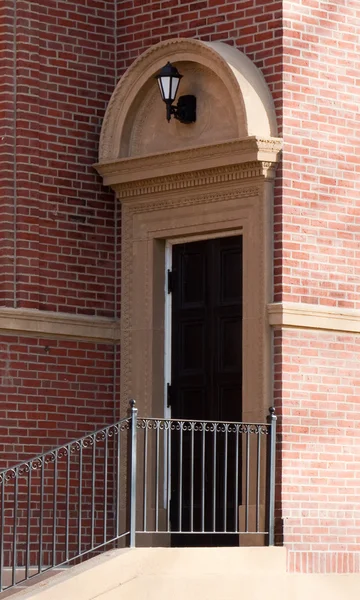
(58, 325)
(314, 316)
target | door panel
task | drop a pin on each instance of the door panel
(229, 338)
(192, 346)
(206, 385)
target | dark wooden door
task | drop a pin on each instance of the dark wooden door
(206, 385)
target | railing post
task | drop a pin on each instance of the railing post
(134, 412)
(272, 472)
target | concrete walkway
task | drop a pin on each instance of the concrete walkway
(191, 574)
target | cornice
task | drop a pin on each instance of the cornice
(314, 316)
(58, 325)
(186, 167)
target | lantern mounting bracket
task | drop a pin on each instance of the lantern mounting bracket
(185, 111)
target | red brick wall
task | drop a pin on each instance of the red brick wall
(318, 385)
(63, 55)
(51, 391)
(321, 157)
(6, 150)
(316, 261)
(57, 222)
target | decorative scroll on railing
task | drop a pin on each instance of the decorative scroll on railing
(212, 481)
(62, 505)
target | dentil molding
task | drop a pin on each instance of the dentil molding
(21, 321)
(314, 316)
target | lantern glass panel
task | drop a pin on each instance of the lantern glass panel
(165, 82)
(174, 87)
(160, 87)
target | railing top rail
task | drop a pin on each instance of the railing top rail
(39, 457)
(200, 421)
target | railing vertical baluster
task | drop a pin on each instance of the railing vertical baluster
(54, 508)
(145, 477)
(258, 455)
(214, 477)
(41, 525)
(16, 492)
(118, 479)
(106, 452)
(157, 477)
(133, 474)
(93, 484)
(225, 476)
(272, 475)
(237, 479)
(2, 509)
(247, 481)
(28, 522)
(203, 480)
(168, 495)
(192, 479)
(80, 498)
(67, 501)
(180, 475)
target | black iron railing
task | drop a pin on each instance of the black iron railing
(137, 477)
(203, 477)
(63, 505)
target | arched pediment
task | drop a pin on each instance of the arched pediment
(233, 101)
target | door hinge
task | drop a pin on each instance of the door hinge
(170, 281)
(168, 395)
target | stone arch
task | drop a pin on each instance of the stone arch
(224, 81)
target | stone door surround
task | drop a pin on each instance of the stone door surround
(181, 182)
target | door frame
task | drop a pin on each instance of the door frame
(167, 326)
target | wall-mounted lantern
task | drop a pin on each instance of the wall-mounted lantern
(168, 80)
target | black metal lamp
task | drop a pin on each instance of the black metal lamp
(168, 80)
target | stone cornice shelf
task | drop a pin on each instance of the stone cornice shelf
(59, 325)
(215, 163)
(313, 316)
